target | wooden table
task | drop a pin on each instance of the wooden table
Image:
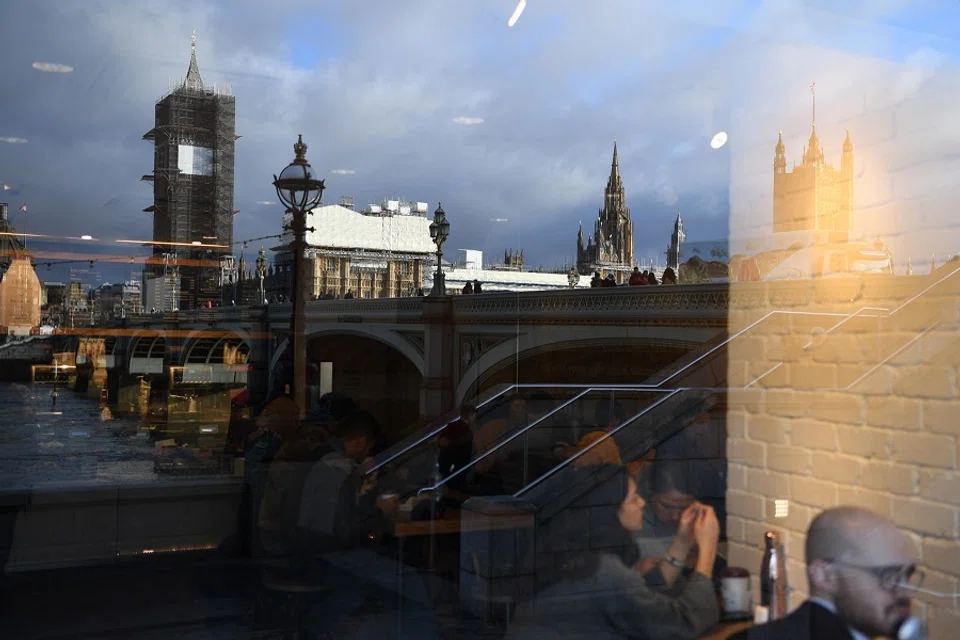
(451, 523)
(724, 630)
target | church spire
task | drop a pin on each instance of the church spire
(813, 153)
(193, 80)
(813, 94)
(614, 196)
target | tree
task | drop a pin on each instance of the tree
(719, 252)
(693, 270)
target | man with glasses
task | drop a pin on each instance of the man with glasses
(861, 571)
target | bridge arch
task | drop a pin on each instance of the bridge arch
(380, 370)
(226, 349)
(147, 351)
(195, 336)
(629, 357)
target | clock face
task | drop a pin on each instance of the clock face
(719, 140)
(195, 161)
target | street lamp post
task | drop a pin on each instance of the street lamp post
(573, 277)
(439, 231)
(261, 274)
(298, 189)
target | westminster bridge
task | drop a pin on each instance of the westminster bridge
(416, 358)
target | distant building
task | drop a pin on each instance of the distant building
(513, 260)
(469, 259)
(814, 196)
(19, 285)
(610, 248)
(52, 294)
(193, 168)
(676, 239)
(117, 301)
(77, 305)
(505, 277)
(382, 252)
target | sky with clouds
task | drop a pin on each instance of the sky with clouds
(438, 100)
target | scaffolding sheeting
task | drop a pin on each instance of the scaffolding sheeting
(194, 138)
(337, 227)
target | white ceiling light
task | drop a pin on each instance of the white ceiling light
(719, 140)
(517, 13)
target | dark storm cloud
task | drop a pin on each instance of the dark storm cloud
(383, 95)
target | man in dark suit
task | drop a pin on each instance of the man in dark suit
(860, 570)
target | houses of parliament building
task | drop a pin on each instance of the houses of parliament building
(610, 248)
(814, 196)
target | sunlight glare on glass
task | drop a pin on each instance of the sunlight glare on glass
(468, 120)
(517, 13)
(13, 140)
(52, 67)
(719, 140)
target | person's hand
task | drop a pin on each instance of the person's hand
(646, 565)
(688, 519)
(368, 484)
(706, 529)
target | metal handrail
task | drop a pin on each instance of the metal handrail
(658, 385)
(435, 432)
(889, 314)
(608, 435)
(521, 432)
(893, 355)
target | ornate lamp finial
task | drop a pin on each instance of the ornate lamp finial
(300, 149)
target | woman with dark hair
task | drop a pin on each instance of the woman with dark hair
(597, 590)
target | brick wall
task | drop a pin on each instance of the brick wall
(866, 416)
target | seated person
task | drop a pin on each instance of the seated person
(672, 487)
(599, 592)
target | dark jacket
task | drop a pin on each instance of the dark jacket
(616, 602)
(809, 622)
(280, 508)
(333, 515)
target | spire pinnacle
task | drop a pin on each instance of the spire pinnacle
(813, 93)
(848, 143)
(193, 79)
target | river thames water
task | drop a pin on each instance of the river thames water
(42, 443)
